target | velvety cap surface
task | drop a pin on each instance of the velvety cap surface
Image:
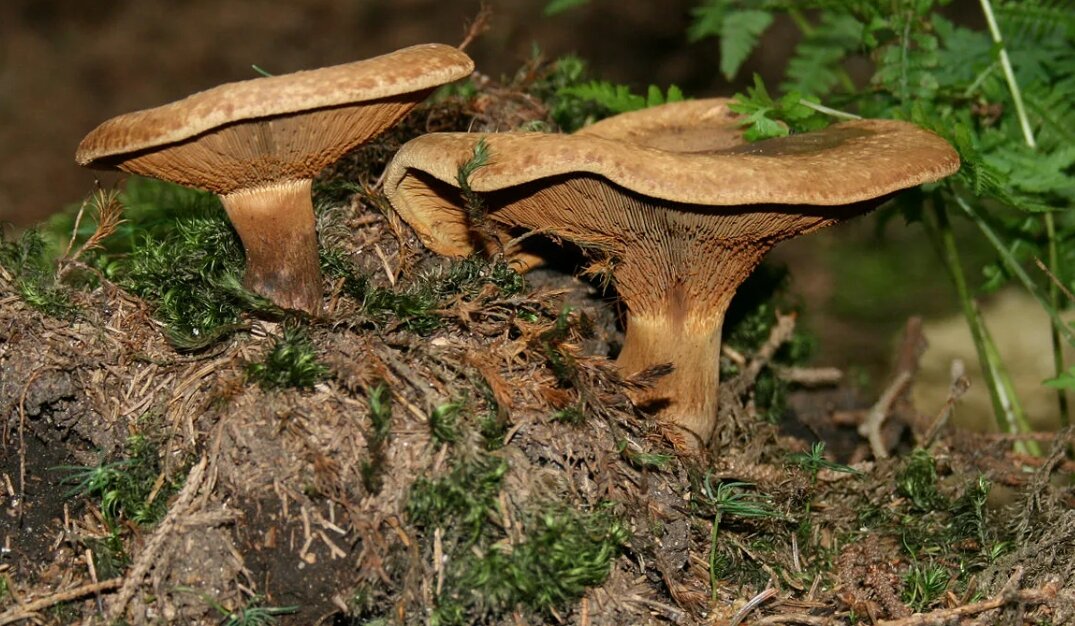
(842, 164)
(413, 69)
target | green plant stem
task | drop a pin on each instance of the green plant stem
(1050, 223)
(1014, 268)
(1054, 300)
(1006, 407)
(1009, 73)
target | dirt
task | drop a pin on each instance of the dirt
(357, 501)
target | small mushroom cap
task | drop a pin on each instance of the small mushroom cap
(350, 102)
(684, 153)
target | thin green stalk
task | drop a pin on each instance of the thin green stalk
(1014, 268)
(1009, 73)
(1050, 224)
(1054, 299)
(1006, 408)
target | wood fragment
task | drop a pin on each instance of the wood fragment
(29, 610)
(875, 418)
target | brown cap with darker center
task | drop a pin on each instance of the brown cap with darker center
(683, 209)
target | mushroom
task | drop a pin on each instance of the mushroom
(682, 208)
(258, 144)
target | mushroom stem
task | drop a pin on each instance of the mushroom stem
(276, 224)
(687, 397)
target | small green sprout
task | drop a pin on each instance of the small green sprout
(475, 206)
(734, 500)
(923, 585)
(443, 422)
(814, 461)
(251, 614)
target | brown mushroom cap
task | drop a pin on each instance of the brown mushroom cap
(258, 143)
(272, 128)
(682, 207)
(842, 164)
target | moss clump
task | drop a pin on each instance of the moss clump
(292, 362)
(463, 498)
(32, 270)
(564, 553)
(191, 276)
(917, 481)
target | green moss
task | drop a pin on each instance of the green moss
(31, 265)
(191, 277)
(917, 481)
(443, 422)
(292, 363)
(462, 499)
(564, 553)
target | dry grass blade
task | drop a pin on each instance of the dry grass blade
(107, 211)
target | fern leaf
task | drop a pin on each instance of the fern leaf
(1036, 19)
(816, 65)
(739, 35)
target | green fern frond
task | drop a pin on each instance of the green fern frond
(1036, 19)
(619, 98)
(1052, 108)
(816, 66)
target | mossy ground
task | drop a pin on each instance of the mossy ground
(450, 444)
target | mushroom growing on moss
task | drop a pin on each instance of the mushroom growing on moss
(683, 209)
(258, 144)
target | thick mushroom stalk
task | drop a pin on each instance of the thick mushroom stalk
(682, 208)
(276, 225)
(258, 143)
(676, 268)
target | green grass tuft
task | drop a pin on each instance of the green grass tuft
(923, 585)
(125, 489)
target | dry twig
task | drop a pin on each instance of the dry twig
(947, 616)
(29, 610)
(875, 419)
